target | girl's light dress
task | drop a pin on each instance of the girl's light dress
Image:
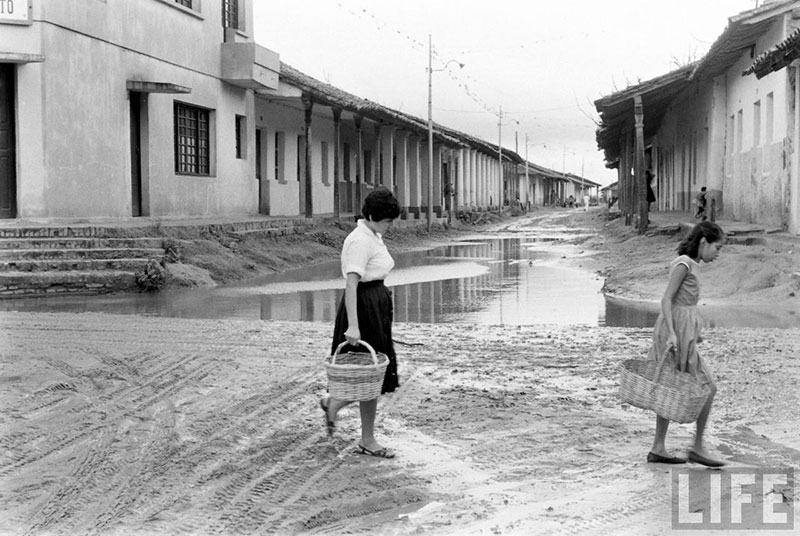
(686, 321)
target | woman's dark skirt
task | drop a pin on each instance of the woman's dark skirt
(375, 315)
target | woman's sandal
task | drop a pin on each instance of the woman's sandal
(380, 453)
(329, 424)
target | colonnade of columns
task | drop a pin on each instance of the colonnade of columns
(473, 177)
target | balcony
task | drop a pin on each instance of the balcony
(250, 66)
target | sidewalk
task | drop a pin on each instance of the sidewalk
(764, 234)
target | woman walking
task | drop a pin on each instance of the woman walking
(677, 331)
(365, 313)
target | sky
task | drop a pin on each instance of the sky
(532, 69)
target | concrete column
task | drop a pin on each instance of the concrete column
(337, 150)
(460, 180)
(437, 179)
(358, 121)
(415, 177)
(401, 173)
(473, 179)
(386, 143)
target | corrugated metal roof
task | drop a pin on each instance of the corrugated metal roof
(777, 57)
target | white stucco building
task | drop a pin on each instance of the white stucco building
(712, 124)
(169, 109)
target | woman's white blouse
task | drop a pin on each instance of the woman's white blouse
(365, 253)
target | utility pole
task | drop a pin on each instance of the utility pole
(430, 133)
(500, 158)
(528, 200)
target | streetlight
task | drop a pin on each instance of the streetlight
(430, 126)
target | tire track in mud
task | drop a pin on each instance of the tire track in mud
(117, 406)
(232, 441)
(151, 389)
(284, 498)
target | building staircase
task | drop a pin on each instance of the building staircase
(52, 261)
(87, 259)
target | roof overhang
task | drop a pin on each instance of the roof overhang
(616, 110)
(142, 86)
(742, 32)
(777, 57)
(18, 57)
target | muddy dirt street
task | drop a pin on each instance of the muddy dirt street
(117, 425)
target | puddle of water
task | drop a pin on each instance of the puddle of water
(512, 280)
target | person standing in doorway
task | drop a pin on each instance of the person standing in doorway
(677, 333)
(365, 312)
(651, 195)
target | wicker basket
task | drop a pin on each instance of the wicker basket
(672, 394)
(356, 375)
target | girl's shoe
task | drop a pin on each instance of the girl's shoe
(702, 460)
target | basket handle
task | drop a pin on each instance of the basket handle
(359, 341)
(663, 362)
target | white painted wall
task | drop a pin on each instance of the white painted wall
(73, 110)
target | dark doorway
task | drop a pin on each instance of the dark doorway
(136, 153)
(8, 151)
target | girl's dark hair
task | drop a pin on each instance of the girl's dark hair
(690, 245)
(381, 204)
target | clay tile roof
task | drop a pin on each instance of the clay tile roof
(328, 95)
(777, 57)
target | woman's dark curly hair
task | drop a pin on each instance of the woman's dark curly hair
(381, 204)
(690, 245)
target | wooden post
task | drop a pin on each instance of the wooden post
(308, 104)
(639, 177)
(359, 163)
(337, 148)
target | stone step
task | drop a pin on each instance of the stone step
(10, 255)
(38, 284)
(79, 243)
(63, 265)
(272, 231)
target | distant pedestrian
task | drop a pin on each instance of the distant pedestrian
(586, 200)
(677, 331)
(700, 201)
(651, 195)
(365, 312)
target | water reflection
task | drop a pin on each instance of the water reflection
(511, 280)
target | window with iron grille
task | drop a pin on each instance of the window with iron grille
(185, 3)
(191, 140)
(230, 14)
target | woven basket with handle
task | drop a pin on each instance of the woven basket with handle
(356, 375)
(672, 394)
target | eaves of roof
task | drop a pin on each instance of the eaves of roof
(616, 110)
(777, 57)
(742, 32)
(328, 95)
(609, 187)
(577, 179)
(539, 170)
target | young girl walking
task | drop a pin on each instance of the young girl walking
(677, 331)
